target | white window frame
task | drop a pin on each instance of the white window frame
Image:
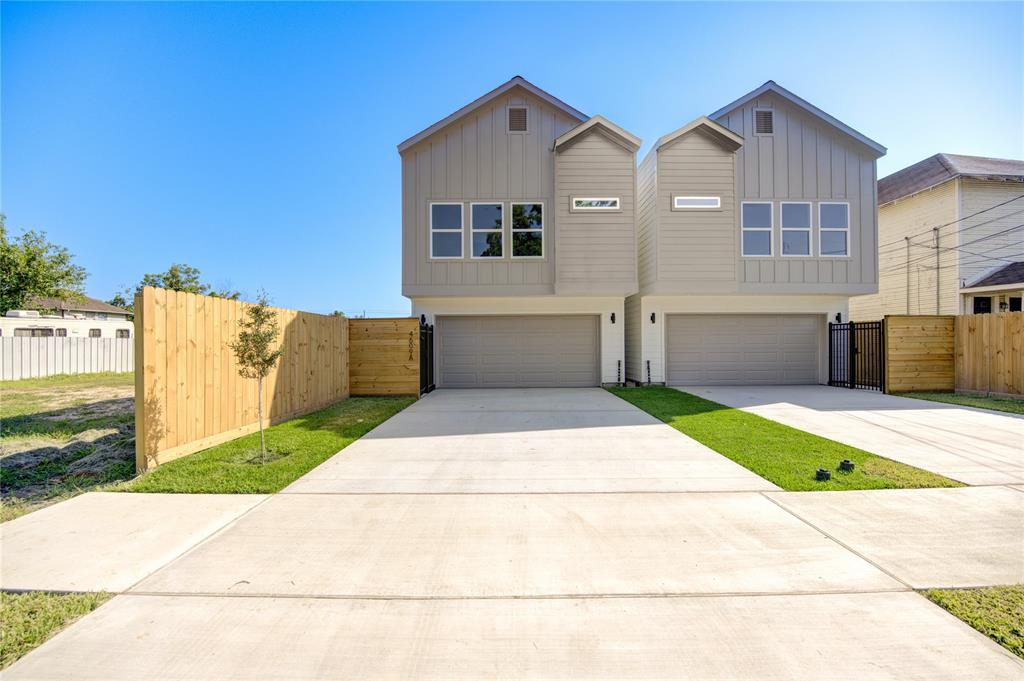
(573, 208)
(717, 206)
(512, 231)
(770, 230)
(754, 121)
(460, 231)
(809, 229)
(473, 231)
(846, 231)
(517, 132)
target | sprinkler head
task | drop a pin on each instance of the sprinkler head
(823, 475)
(846, 465)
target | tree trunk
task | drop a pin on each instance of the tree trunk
(259, 408)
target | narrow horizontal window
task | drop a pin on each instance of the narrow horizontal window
(687, 202)
(595, 204)
(834, 229)
(486, 226)
(796, 228)
(756, 228)
(527, 230)
(446, 230)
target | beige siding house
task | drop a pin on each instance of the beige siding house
(951, 233)
(756, 225)
(519, 240)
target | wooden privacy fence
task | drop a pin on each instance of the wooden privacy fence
(36, 357)
(188, 394)
(384, 356)
(968, 353)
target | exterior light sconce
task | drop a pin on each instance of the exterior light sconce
(613, 317)
(839, 317)
(652, 318)
(423, 319)
(1003, 306)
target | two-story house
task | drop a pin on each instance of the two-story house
(950, 230)
(756, 225)
(546, 257)
(519, 240)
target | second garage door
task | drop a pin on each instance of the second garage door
(527, 351)
(742, 349)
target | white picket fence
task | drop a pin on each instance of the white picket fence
(35, 357)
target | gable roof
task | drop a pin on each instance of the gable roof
(1012, 273)
(940, 168)
(723, 135)
(515, 81)
(773, 87)
(82, 304)
(619, 135)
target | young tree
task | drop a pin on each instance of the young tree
(257, 351)
(32, 266)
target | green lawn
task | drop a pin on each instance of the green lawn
(297, 446)
(786, 456)
(993, 403)
(997, 612)
(29, 619)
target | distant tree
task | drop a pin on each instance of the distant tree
(257, 351)
(178, 277)
(337, 313)
(32, 266)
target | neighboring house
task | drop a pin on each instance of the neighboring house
(951, 233)
(519, 240)
(756, 225)
(82, 318)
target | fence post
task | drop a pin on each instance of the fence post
(851, 356)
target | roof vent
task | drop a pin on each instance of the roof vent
(517, 119)
(764, 121)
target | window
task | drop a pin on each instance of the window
(1015, 304)
(696, 202)
(764, 122)
(518, 119)
(62, 333)
(982, 304)
(446, 230)
(796, 228)
(123, 333)
(33, 333)
(756, 228)
(94, 333)
(834, 227)
(486, 225)
(603, 204)
(527, 230)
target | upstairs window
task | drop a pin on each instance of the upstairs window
(95, 333)
(123, 333)
(518, 119)
(527, 230)
(596, 204)
(796, 228)
(756, 228)
(834, 229)
(445, 230)
(486, 226)
(696, 202)
(764, 122)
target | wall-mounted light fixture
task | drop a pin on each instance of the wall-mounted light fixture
(652, 318)
(423, 319)
(613, 317)
(1003, 306)
(839, 317)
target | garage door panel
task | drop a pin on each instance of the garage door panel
(518, 351)
(742, 349)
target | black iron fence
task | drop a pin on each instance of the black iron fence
(426, 357)
(856, 355)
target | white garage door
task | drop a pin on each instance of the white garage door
(527, 351)
(742, 349)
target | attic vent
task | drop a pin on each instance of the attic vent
(764, 121)
(517, 119)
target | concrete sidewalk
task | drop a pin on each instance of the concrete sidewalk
(975, 446)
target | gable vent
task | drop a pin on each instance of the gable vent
(517, 119)
(764, 121)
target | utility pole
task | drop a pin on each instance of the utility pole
(935, 231)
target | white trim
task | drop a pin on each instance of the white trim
(473, 230)
(809, 229)
(770, 230)
(460, 231)
(617, 208)
(754, 121)
(512, 231)
(846, 231)
(717, 200)
(508, 109)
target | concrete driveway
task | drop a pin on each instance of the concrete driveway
(542, 534)
(975, 446)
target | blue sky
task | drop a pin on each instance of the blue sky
(257, 141)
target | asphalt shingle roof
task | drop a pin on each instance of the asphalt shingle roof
(942, 167)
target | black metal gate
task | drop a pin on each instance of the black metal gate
(856, 355)
(426, 356)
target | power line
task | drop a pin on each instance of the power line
(964, 229)
(933, 249)
(966, 217)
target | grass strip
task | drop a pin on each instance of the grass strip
(978, 402)
(30, 619)
(996, 611)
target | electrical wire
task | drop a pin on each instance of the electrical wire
(966, 217)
